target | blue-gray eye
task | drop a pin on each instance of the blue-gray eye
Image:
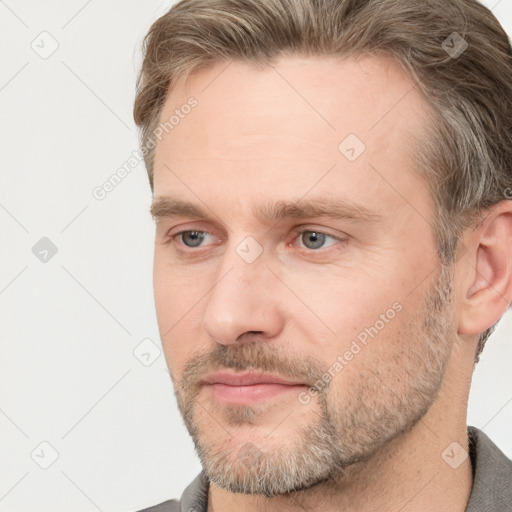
(314, 238)
(195, 238)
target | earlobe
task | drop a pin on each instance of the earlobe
(488, 289)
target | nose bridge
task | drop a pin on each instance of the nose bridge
(241, 299)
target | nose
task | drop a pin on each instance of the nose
(242, 301)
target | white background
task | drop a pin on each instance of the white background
(69, 326)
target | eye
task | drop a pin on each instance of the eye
(192, 238)
(313, 239)
(310, 239)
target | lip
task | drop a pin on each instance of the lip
(248, 388)
(248, 379)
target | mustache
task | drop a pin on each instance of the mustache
(255, 356)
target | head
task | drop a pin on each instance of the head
(259, 121)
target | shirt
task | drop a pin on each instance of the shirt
(491, 491)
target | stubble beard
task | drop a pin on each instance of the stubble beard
(353, 422)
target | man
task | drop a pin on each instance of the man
(332, 184)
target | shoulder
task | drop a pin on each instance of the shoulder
(492, 471)
(194, 498)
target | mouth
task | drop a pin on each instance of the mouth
(249, 387)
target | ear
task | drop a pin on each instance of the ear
(487, 282)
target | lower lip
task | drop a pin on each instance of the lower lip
(251, 394)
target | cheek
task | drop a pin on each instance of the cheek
(356, 327)
(180, 342)
(164, 293)
(172, 292)
(343, 306)
(369, 361)
(177, 318)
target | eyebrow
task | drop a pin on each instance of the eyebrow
(336, 208)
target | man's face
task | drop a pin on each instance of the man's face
(350, 301)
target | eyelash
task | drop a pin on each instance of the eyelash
(172, 239)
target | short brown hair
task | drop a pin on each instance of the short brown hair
(466, 152)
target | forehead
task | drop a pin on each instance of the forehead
(291, 122)
(316, 97)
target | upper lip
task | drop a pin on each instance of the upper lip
(246, 379)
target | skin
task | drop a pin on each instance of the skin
(373, 438)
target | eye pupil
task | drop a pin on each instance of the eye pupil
(316, 239)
